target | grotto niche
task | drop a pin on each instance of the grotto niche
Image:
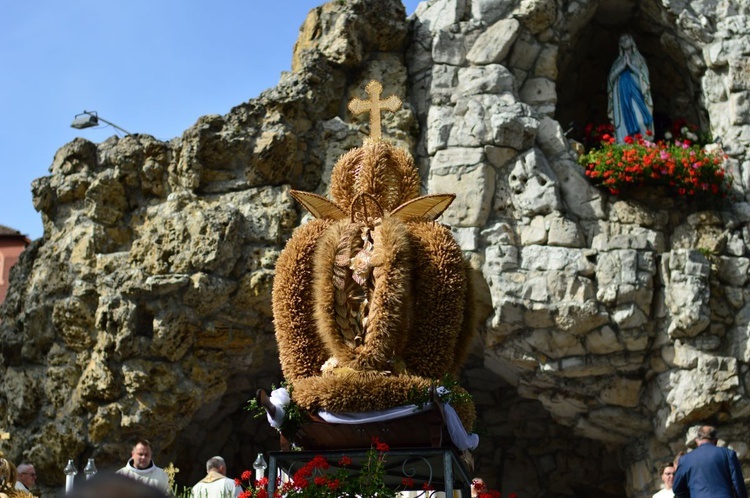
(588, 53)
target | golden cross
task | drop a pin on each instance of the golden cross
(374, 105)
(4, 436)
(171, 470)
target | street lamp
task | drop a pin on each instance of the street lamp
(87, 119)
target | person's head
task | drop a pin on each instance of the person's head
(216, 463)
(667, 475)
(110, 485)
(706, 435)
(141, 454)
(627, 43)
(478, 486)
(27, 475)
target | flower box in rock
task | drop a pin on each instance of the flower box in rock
(678, 166)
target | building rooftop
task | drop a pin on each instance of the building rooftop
(10, 232)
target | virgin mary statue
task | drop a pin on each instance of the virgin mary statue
(630, 106)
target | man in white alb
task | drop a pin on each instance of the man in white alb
(216, 484)
(142, 468)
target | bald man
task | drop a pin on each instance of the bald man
(709, 471)
(216, 484)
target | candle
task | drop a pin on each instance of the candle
(68, 484)
(260, 466)
(70, 471)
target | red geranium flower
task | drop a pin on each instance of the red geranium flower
(682, 166)
(319, 462)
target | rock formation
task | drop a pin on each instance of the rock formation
(612, 324)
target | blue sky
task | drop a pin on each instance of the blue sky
(149, 66)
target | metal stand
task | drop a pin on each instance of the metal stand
(441, 469)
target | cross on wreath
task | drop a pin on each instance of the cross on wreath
(4, 436)
(375, 106)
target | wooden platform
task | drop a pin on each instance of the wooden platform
(423, 429)
(420, 449)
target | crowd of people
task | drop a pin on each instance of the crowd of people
(708, 471)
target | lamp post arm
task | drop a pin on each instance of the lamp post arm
(110, 123)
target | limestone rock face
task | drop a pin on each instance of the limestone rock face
(146, 307)
(624, 318)
(612, 324)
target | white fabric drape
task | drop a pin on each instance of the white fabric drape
(462, 439)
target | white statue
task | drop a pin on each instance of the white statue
(630, 106)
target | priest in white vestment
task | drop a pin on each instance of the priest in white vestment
(216, 484)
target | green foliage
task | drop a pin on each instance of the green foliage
(453, 395)
(184, 493)
(254, 407)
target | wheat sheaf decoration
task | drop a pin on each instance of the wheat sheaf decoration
(9, 475)
(372, 291)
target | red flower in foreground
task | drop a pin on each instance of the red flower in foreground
(318, 478)
(380, 446)
(492, 494)
(427, 487)
(319, 462)
(302, 474)
(408, 482)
